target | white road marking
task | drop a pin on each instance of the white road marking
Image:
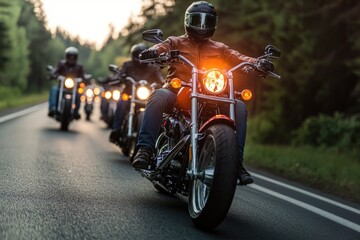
(354, 210)
(20, 113)
(306, 206)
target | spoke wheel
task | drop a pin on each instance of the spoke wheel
(211, 195)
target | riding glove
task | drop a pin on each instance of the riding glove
(148, 53)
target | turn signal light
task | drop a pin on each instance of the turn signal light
(125, 97)
(175, 83)
(246, 94)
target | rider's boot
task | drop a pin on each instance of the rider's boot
(244, 177)
(142, 158)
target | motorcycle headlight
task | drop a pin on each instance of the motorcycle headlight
(69, 83)
(214, 81)
(108, 95)
(96, 91)
(142, 93)
(116, 95)
(89, 92)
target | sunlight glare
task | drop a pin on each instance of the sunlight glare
(90, 20)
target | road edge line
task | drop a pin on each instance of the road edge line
(354, 210)
(309, 207)
(20, 113)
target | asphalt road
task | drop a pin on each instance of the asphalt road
(77, 185)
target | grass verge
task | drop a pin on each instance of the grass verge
(325, 169)
(23, 100)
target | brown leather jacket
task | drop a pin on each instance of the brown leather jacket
(204, 54)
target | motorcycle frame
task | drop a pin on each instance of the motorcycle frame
(133, 103)
(61, 79)
(193, 173)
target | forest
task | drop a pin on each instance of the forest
(316, 102)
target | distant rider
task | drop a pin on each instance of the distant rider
(138, 71)
(67, 67)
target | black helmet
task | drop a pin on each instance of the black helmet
(200, 20)
(136, 50)
(71, 55)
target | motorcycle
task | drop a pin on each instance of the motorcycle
(68, 88)
(130, 126)
(89, 95)
(109, 97)
(195, 152)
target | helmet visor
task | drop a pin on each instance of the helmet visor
(201, 20)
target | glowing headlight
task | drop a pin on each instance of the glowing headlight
(142, 93)
(214, 81)
(116, 95)
(108, 95)
(89, 92)
(96, 91)
(69, 83)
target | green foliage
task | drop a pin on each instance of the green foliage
(17, 66)
(330, 131)
(326, 169)
(9, 93)
(27, 46)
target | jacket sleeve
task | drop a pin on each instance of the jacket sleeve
(234, 57)
(81, 72)
(165, 46)
(59, 70)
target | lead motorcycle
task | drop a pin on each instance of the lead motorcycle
(66, 101)
(130, 126)
(195, 152)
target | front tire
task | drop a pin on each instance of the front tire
(133, 148)
(210, 198)
(66, 115)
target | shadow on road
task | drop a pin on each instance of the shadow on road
(59, 131)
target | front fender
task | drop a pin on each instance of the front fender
(220, 118)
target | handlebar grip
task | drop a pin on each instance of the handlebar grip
(272, 74)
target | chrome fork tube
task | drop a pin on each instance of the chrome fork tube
(73, 96)
(61, 90)
(231, 95)
(194, 125)
(132, 111)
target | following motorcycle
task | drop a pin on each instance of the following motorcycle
(130, 126)
(66, 101)
(89, 95)
(195, 152)
(109, 97)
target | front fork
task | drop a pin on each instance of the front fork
(193, 172)
(132, 112)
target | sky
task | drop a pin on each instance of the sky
(89, 19)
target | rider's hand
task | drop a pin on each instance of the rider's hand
(265, 65)
(148, 53)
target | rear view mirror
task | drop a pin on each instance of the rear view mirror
(49, 67)
(153, 35)
(88, 76)
(113, 68)
(272, 52)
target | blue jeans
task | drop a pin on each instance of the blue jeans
(163, 100)
(121, 108)
(53, 99)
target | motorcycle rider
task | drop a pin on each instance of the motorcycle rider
(70, 68)
(200, 24)
(138, 71)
